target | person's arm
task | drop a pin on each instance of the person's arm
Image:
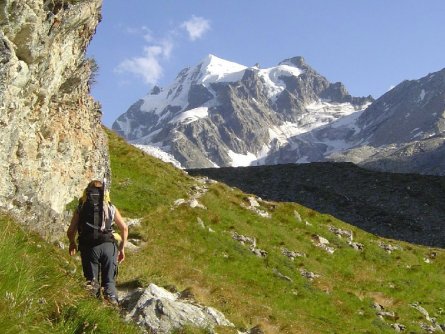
(71, 233)
(123, 229)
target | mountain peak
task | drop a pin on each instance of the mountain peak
(209, 59)
(295, 61)
(213, 61)
(216, 69)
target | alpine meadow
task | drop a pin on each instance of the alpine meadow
(306, 209)
(356, 283)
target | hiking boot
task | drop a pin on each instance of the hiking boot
(112, 299)
(93, 287)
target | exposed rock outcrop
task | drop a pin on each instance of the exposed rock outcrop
(51, 139)
(161, 311)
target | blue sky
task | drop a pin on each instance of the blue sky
(369, 45)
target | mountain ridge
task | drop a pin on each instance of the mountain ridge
(227, 114)
(245, 112)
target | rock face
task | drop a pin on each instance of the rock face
(220, 113)
(51, 139)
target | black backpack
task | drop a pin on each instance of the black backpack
(91, 216)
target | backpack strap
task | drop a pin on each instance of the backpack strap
(111, 212)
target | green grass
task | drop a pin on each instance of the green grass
(42, 296)
(41, 290)
(225, 274)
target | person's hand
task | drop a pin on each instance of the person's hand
(121, 256)
(73, 248)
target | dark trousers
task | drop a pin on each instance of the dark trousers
(101, 258)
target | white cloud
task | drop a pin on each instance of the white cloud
(145, 32)
(148, 66)
(196, 27)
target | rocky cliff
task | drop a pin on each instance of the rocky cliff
(51, 139)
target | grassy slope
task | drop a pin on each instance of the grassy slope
(41, 287)
(223, 273)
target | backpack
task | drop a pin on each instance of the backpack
(95, 218)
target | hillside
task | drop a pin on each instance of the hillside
(406, 207)
(299, 286)
(284, 277)
(40, 289)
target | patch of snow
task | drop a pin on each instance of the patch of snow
(336, 145)
(263, 152)
(321, 113)
(212, 69)
(164, 116)
(213, 163)
(147, 138)
(285, 131)
(349, 121)
(422, 95)
(271, 77)
(331, 111)
(159, 154)
(418, 134)
(239, 160)
(220, 70)
(190, 116)
(157, 103)
(334, 120)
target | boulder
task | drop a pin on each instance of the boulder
(160, 311)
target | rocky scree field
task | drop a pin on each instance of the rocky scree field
(400, 206)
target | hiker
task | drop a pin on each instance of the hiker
(98, 247)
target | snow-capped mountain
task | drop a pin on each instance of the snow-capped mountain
(402, 131)
(220, 113)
